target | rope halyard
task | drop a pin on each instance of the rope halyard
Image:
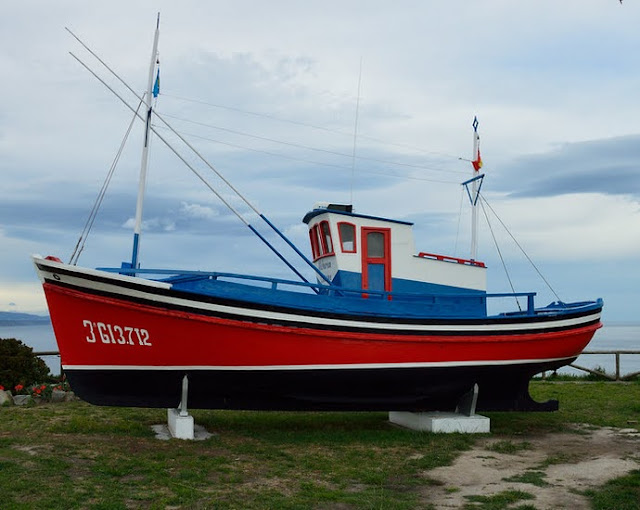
(79, 248)
(504, 265)
(484, 201)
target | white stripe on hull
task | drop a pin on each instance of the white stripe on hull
(345, 366)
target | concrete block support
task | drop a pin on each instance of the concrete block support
(441, 422)
(180, 426)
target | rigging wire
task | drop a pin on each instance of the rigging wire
(309, 161)
(89, 223)
(206, 183)
(504, 265)
(355, 137)
(306, 147)
(242, 197)
(455, 247)
(521, 249)
(314, 126)
(80, 245)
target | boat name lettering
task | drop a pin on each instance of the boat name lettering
(324, 265)
(114, 334)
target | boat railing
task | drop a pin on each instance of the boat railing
(530, 300)
(446, 258)
(175, 276)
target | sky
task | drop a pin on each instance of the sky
(363, 102)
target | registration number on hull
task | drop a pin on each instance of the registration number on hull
(115, 334)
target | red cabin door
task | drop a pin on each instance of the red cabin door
(376, 258)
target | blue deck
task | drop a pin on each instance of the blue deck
(337, 299)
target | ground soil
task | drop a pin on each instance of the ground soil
(559, 467)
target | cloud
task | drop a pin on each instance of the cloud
(22, 297)
(152, 224)
(197, 211)
(609, 166)
(570, 227)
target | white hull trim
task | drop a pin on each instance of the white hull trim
(344, 366)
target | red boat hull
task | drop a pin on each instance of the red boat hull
(117, 350)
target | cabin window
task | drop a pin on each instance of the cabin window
(320, 237)
(347, 232)
(313, 238)
(375, 245)
(327, 245)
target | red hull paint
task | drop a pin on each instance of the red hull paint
(178, 339)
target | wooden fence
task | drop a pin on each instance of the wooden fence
(617, 376)
(49, 353)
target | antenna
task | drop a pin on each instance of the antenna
(355, 136)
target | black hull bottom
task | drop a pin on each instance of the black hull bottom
(501, 388)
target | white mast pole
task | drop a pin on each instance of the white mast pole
(145, 148)
(477, 163)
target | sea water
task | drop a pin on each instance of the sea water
(611, 336)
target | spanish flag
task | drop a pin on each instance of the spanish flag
(477, 163)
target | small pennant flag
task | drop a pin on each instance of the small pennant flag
(477, 163)
(156, 86)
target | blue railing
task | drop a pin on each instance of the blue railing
(175, 276)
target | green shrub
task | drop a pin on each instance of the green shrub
(18, 365)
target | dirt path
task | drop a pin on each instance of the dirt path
(554, 468)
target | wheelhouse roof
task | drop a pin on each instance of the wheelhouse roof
(346, 211)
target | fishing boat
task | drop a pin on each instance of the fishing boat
(382, 327)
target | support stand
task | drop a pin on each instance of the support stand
(464, 420)
(179, 421)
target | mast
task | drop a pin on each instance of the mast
(145, 148)
(476, 162)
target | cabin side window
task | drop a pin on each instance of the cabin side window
(327, 244)
(347, 233)
(321, 242)
(313, 238)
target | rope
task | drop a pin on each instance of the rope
(318, 163)
(504, 265)
(522, 250)
(101, 194)
(355, 137)
(306, 147)
(198, 174)
(317, 127)
(455, 247)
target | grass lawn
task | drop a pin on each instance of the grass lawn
(73, 455)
